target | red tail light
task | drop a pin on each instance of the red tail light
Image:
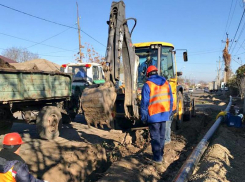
(88, 65)
(64, 65)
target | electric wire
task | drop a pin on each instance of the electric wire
(43, 54)
(35, 42)
(237, 28)
(48, 38)
(50, 21)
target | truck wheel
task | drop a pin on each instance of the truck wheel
(49, 122)
(180, 110)
(187, 107)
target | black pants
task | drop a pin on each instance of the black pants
(157, 132)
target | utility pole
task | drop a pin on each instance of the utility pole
(227, 59)
(79, 36)
(218, 71)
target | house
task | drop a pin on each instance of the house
(7, 59)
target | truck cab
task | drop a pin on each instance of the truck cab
(83, 75)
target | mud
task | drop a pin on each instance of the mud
(90, 154)
(97, 104)
(224, 159)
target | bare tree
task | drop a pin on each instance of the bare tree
(90, 55)
(19, 54)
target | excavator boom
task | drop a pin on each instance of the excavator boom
(98, 103)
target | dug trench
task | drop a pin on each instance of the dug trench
(91, 154)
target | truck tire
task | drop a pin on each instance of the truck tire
(187, 108)
(49, 121)
(180, 110)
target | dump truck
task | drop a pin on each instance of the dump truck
(30, 92)
(118, 107)
(212, 86)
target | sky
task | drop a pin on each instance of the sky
(199, 26)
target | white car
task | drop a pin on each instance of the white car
(190, 90)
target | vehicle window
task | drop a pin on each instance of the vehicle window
(147, 57)
(78, 71)
(166, 63)
(95, 70)
(101, 73)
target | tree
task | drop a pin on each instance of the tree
(90, 55)
(19, 54)
(240, 80)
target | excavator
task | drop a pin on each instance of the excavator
(116, 103)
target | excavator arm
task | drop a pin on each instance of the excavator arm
(119, 47)
(100, 101)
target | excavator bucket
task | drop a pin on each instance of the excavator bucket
(98, 103)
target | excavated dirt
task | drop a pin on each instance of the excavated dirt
(224, 159)
(5, 65)
(136, 167)
(91, 154)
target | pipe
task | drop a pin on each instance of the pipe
(188, 167)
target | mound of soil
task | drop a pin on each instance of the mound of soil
(224, 160)
(4, 65)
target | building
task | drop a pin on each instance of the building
(7, 59)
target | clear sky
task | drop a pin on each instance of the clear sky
(195, 25)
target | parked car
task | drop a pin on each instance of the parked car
(190, 90)
(206, 90)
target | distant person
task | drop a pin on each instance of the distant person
(12, 167)
(156, 109)
(81, 73)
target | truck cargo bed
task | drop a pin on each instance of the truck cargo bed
(19, 85)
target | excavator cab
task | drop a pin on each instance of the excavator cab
(159, 54)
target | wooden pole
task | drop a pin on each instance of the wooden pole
(79, 37)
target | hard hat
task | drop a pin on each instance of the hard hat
(12, 139)
(150, 69)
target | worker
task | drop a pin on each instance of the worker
(143, 66)
(12, 167)
(81, 73)
(156, 108)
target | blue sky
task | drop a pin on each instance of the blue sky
(195, 25)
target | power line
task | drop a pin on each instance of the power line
(34, 42)
(43, 54)
(237, 28)
(48, 38)
(50, 21)
(232, 15)
(228, 17)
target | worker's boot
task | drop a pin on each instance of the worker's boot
(159, 167)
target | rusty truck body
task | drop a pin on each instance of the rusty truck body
(48, 93)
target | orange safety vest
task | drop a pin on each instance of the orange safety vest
(8, 176)
(159, 98)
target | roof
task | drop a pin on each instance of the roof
(147, 44)
(37, 64)
(7, 59)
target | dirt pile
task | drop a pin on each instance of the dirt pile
(5, 65)
(136, 167)
(224, 160)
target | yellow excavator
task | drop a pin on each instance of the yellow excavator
(116, 103)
